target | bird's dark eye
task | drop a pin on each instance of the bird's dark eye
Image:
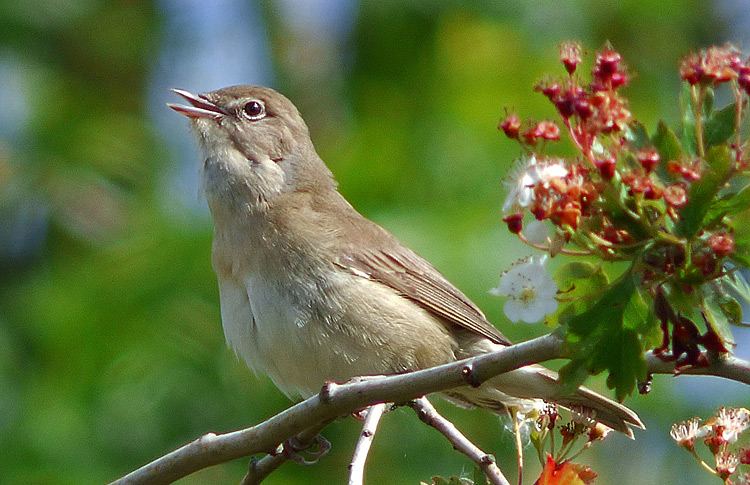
(254, 110)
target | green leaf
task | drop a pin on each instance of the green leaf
(730, 204)
(636, 134)
(479, 477)
(730, 292)
(607, 310)
(578, 278)
(702, 193)
(741, 253)
(689, 143)
(622, 355)
(720, 125)
(603, 337)
(666, 143)
(573, 374)
(717, 319)
(636, 314)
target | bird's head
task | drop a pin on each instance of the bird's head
(256, 146)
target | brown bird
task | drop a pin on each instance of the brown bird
(311, 291)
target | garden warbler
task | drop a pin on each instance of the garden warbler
(311, 291)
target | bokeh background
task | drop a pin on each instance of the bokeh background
(111, 350)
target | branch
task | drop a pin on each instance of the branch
(428, 414)
(728, 367)
(336, 400)
(366, 437)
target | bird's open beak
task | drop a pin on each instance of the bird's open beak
(201, 107)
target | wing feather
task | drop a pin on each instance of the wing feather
(411, 275)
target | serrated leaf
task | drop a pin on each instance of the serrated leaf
(701, 194)
(600, 342)
(637, 311)
(689, 305)
(720, 125)
(573, 374)
(666, 143)
(623, 356)
(607, 310)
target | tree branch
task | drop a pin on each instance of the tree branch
(728, 367)
(428, 414)
(335, 400)
(366, 437)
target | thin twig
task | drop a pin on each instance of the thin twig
(366, 437)
(259, 469)
(515, 415)
(427, 413)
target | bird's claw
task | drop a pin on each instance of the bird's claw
(293, 449)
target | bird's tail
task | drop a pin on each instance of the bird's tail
(517, 388)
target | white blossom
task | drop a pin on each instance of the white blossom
(527, 173)
(726, 464)
(530, 291)
(684, 433)
(731, 423)
(536, 232)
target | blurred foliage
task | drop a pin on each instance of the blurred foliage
(111, 351)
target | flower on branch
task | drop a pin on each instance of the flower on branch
(669, 205)
(530, 290)
(528, 173)
(729, 423)
(726, 465)
(684, 433)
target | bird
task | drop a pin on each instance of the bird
(313, 292)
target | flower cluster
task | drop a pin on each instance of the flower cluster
(670, 207)
(716, 65)
(558, 443)
(721, 436)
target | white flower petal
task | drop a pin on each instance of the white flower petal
(530, 290)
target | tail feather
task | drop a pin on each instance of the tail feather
(516, 388)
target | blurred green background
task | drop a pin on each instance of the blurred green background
(111, 349)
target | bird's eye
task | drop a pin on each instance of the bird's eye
(254, 110)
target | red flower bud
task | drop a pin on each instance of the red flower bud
(514, 222)
(675, 195)
(606, 168)
(570, 55)
(511, 125)
(648, 158)
(721, 244)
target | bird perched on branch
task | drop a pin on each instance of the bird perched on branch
(311, 291)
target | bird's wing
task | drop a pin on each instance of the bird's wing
(411, 275)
